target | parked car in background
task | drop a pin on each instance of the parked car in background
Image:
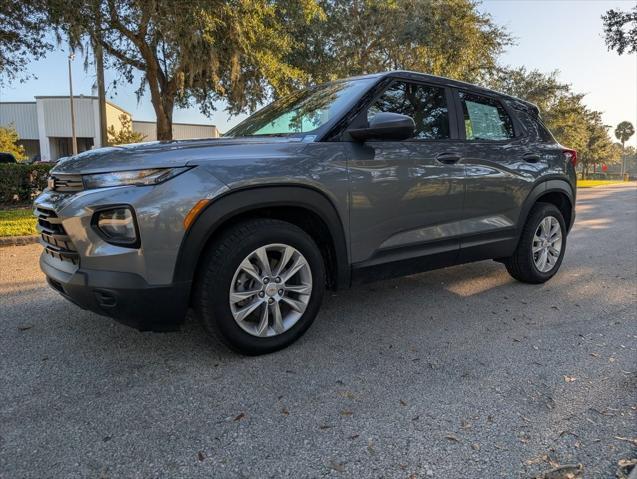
(7, 158)
(354, 180)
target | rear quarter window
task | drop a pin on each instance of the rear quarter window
(534, 126)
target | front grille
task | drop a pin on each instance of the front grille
(65, 183)
(53, 236)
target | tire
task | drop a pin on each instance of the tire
(522, 264)
(224, 279)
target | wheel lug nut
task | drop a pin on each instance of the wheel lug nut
(278, 280)
(261, 294)
(280, 292)
(266, 280)
(270, 301)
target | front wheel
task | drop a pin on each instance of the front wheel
(262, 286)
(540, 251)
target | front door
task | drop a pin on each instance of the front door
(406, 197)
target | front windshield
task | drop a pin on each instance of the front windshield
(304, 111)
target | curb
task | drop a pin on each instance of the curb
(18, 240)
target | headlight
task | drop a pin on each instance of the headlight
(117, 226)
(131, 178)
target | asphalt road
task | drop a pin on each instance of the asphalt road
(456, 373)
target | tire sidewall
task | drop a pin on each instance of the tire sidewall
(219, 297)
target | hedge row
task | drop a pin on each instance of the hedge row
(20, 183)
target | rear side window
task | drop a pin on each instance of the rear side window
(485, 118)
(427, 105)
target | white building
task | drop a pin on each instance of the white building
(44, 125)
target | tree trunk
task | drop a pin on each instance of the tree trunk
(162, 97)
(164, 123)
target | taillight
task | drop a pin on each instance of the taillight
(571, 155)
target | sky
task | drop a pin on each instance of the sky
(564, 35)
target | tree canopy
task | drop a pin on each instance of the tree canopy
(441, 37)
(22, 37)
(620, 30)
(195, 52)
(125, 135)
(9, 143)
(246, 52)
(624, 131)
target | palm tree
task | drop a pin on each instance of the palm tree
(623, 132)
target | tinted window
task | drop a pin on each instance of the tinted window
(427, 105)
(485, 118)
(534, 125)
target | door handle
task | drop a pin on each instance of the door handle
(448, 158)
(531, 158)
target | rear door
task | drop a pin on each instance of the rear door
(501, 167)
(407, 196)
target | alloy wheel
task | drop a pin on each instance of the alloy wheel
(547, 244)
(270, 290)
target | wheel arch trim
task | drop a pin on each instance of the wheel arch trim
(541, 189)
(236, 202)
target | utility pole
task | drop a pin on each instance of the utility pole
(74, 138)
(101, 90)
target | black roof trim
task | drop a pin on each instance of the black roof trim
(411, 75)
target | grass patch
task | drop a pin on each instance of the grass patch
(17, 222)
(593, 183)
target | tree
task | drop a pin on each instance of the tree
(22, 37)
(599, 148)
(620, 30)
(198, 51)
(623, 132)
(125, 135)
(442, 37)
(9, 142)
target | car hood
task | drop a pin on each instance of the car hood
(158, 154)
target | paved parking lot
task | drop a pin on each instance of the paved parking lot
(457, 373)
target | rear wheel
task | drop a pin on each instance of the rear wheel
(540, 251)
(262, 286)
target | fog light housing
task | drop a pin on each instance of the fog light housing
(117, 225)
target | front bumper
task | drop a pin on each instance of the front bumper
(126, 297)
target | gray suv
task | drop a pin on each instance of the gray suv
(355, 180)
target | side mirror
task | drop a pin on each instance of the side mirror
(386, 126)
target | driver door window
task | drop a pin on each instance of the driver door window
(427, 105)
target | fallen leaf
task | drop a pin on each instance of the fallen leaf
(465, 424)
(632, 440)
(337, 466)
(452, 438)
(347, 394)
(570, 379)
(239, 417)
(403, 403)
(200, 456)
(285, 412)
(595, 355)
(24, 328)
(475, 446)
(354, 436)
(570, 471)
(346, 412)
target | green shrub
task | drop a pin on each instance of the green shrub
(20, 183)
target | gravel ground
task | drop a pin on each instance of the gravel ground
(456, 373)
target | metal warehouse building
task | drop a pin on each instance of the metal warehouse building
(44, 125)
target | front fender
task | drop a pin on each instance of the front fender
(236, 202)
